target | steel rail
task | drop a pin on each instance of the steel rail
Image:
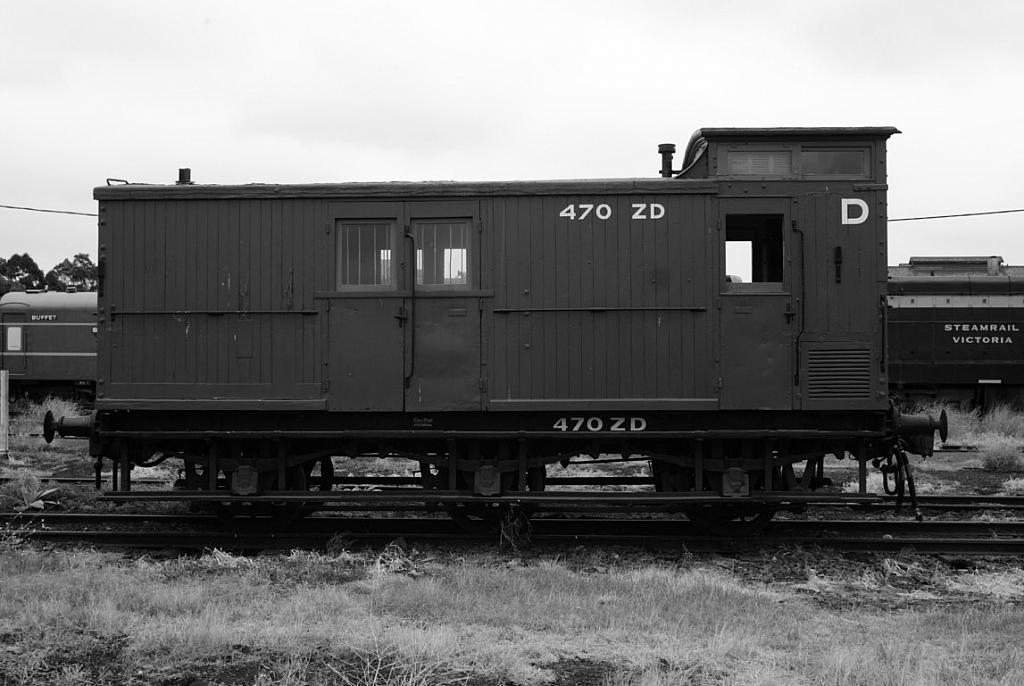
(100, 518)
(419, 495)
(963, 537)
(660, 526)
(264, 540)
(86, 480)
(970, 501)
(634, 498)
(380, 480)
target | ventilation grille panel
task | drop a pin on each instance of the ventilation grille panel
(839, 374)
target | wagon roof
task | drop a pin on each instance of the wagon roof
(404, 189)
(446, 189)
(800, 133)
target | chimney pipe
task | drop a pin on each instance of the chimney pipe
(184, 177)
(995, 265)
(666, 150)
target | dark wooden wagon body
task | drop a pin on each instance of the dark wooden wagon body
(729, 316)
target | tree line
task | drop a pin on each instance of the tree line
(21, 273)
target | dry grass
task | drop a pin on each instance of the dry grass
(924, 484)
(1013, 487)
(998, 434)
(583, 466)
(966, 426)
(30, 453)
(1001, 420)
(398, 616)
(874, 484)
(27, 417)
(1000, 423)
(1002, 454)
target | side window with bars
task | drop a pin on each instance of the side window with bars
(364, 255)
(442, 252)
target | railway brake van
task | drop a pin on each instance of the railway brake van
(724, 321)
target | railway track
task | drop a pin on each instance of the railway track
(197, 532)
(966, 502)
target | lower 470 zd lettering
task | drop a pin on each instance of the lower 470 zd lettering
(600, 424)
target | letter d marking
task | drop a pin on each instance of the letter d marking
(854, 202)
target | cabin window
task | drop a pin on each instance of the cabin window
(753, 248)
(442, 252)
(795, 162)
(760, 163)
(14, 339)
(364, 254)
(838, 163)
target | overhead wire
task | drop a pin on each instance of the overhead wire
(39, 209)
(948, 216)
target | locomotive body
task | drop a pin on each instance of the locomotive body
(486, 330)
(956, 330)
(48, 344)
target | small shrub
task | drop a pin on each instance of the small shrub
(1003, 420)
(1013, 487)
(1001, 454)
(27, 416)
(931, 488)
(1001, 463)
(388, 664)
(11, 538)
(874, 484)
(62, 407)
(395, 559)
(27, 493)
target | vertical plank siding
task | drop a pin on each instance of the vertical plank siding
(217, 299)
(211, 298)
(593, 308)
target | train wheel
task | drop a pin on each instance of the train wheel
(671, 478)
(295, 479)
(483, 519)
(281, 513)
(323, 481)
(717, 520)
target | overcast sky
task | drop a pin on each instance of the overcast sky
(365, 91)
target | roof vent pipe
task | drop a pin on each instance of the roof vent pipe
(666, 150)
(184, 177)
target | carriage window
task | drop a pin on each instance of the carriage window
(364, 254)
(840, 163)
(760, 163)
(14, 339)
(753, 248)
(442, 252)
